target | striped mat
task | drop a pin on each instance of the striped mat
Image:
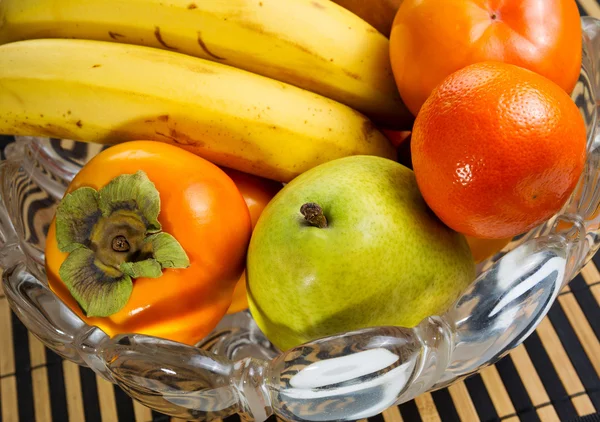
(553, 376)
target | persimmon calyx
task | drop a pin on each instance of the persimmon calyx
(113, 236)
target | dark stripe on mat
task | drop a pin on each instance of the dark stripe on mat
(516, 390)
(445, 406)
(410, 411)
(376, 418)
(588, 418)
(124, 403)
(549, 377)
(76, 154)
(576, 353)
(481, 398)
(56, 386)
(23, 370)
(596, 260)
(89, 394)
(587, 302)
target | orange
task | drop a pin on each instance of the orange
(497, 149)
(431, 39)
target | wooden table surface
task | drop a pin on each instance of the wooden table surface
(553, 376)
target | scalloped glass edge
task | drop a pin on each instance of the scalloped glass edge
(344, 377)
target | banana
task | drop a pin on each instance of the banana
(316, 45)
(105, 92)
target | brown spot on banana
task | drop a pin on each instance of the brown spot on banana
(352, 74)
(259, 29)
(115, 36)
(47, 130)
(159, 38)
(180, 138)
(15, 96)
(192, 6)
(367, 129)
(206, 50)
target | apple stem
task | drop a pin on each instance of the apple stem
(313, 214)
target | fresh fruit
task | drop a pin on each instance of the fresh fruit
(433, 38)
(497, 150)
(379, 13)
(104, 92)
(396, 137)
(294, 41)
(257, 193)
(347, 245)
(483, 249)
(94, 233)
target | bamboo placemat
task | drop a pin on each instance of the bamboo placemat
(553, 376)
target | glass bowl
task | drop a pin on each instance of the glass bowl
(344, 377)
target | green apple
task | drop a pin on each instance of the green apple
(347, 245)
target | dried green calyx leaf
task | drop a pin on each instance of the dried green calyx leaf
(98, 293)
(168, 252)
(76, 217)
(113, 237)
(132, 192)
(147, 268)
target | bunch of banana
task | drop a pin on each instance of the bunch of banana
(271, 87)
(104, 92)
(316, 45)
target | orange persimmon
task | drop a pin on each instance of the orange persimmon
(200, 207)
(396, 137)
(431, 39)
(257, 193)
